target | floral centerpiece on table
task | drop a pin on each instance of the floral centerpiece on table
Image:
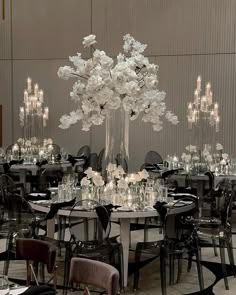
(207, 159)
(103, 85)
(118, 184)
(190, 155)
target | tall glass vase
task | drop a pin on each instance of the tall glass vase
(117, 139)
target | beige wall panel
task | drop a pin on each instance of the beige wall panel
(5, 32)
(6, 101)
(177, 76)
(49, 29)
(56, 98)
(169, 27)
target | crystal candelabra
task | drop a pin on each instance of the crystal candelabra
(33, 117)
(203, 107)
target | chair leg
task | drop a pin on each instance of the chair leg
(121, 263)
(66, 269)
(231, 255)
(214, 247)
(146, 225)
(9, 247)
(222, 256)
(190, 260)
(179, 268)
(171, 266)
(163, 255)
(137, 261)
(199, 268)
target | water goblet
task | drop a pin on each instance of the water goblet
(4, 285)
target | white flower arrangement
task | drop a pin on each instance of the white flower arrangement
(219, 147)
(33, 141)
(103, 85)
(92, 178)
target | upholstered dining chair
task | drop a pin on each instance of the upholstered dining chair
(37, 251)
(95, 273)
(90, 236)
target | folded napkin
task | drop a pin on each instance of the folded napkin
(15, 162)
(161, 209)
(73, 159)
(56, 206)
(104, 213)
(39, 290)
(41, 163)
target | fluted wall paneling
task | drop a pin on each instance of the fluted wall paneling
(185, 38)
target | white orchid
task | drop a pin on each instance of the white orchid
(103, 85)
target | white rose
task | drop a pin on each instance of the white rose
(132, 88)
(85, 181)
(209, 158)
(225, 156)
(95, 83)
(106, 62)
(114, 103)
(97, 180)
(143, 174)
(97, 119)
(219, 147)
(89, 40)
(151, 81)
(111, 167)
(89, 172)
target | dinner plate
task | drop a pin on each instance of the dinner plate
(38, 194)
(81, 208)
(18, 290)
(53, 189)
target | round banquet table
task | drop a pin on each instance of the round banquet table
(124, 218)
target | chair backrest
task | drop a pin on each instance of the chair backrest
(221, 201)
(93, 161)
(89, 224)
(152, 157)
(95, 273)
(174, 216)
(84, 151)
(37, 251)
(19, 215)
(50, 176)
(100, 159)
